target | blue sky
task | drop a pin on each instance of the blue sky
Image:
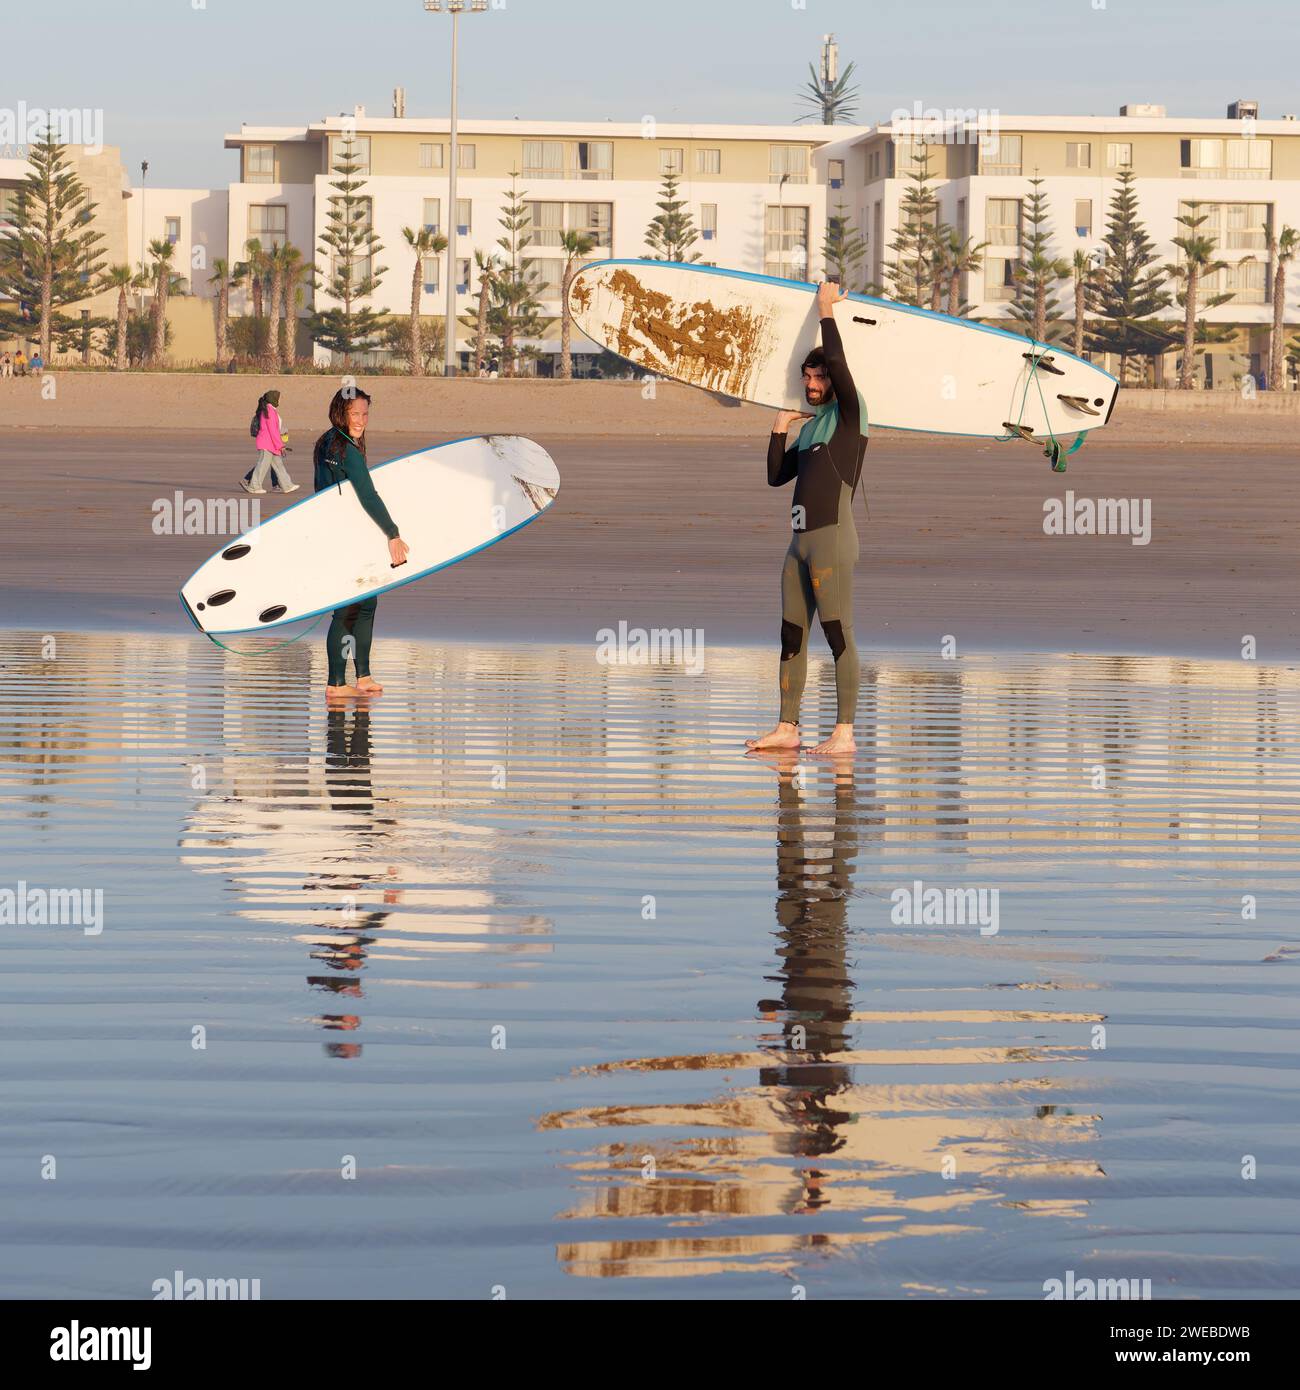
(290, 61)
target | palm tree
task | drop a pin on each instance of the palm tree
(831, 101)
(296, 274)
(1086, 278)
(161, 275)
(1281, 250)
(424, 241)
(275, 264)
(575, 245)
(120, 278)
(1197, 265)
(958, 256)
(225, 280)
(487, 265)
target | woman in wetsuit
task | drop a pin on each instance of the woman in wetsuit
(340, 456)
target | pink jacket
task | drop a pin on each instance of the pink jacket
(268, 437)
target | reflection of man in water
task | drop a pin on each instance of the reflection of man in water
(816, 845)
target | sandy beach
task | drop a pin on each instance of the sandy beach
(682, 531)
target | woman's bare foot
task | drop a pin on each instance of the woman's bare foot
(368, 685)
(840, 741)
(785, 735)
(341, 692)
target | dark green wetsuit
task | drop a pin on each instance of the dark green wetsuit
(818, 573)
(339, 461)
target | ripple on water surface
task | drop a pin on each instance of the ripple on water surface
(598, 1006)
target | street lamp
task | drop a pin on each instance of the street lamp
(454, 8)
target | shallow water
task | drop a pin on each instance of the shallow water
(600, 1008)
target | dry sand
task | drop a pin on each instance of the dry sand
(673, 533)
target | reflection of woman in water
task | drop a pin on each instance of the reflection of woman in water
(340, 456)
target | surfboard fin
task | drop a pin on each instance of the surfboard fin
(1079, 403)
(1020, 431)
(1043, 363)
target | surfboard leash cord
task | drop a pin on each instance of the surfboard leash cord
(1053, 452)
(262, 651)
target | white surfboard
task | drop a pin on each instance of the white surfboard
(449, 502)
(746, 336)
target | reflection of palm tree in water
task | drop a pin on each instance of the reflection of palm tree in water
(348, 785)
(814, 864)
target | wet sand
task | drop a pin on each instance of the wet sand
(603, 1009)
(685, 533)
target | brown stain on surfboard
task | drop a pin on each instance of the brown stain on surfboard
(696, 342)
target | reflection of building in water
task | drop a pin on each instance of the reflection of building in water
(813, 1135)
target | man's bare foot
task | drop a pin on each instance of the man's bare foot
(840, 741)
(785, 735)
(341, 692)
(367, 685)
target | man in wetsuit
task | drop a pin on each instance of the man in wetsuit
(826, 462)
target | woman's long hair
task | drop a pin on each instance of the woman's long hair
(339, 412)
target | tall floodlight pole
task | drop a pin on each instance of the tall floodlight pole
(454, 8)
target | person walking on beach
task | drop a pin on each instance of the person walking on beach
(339, 457)
(817, 577)
(271, 441)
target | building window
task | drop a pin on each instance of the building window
(543, 159)
(259, 163)
(835, 172)
(360, 151)
(873, 165)
(172, 230)
(551, 220)
(429, 273)
(1000, 154)
(788, 162)
(432, 214)
(1233, 226)
(466, 156)
(268, 223)
(961, 218)
(1083, 216)
(463, 224)
(999, 278)
(595, 159)
(464, 265)
(431, 156)
(1246, 281)
(785, 252)
(1078, 154)
(1002, 222)
(709, 221)
(1227, 159)
(1119, 155)
(548, 274)
(708, 161)
(8, 207)
(672, 161)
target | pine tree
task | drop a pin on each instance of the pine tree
(1039, 272)
(843, 247)
(51, 255)
(349, 246)
(1129, 290)
(516, 313)
(671, 235)
(910, 274)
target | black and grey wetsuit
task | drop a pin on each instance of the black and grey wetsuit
(818, 573)
(338, 460)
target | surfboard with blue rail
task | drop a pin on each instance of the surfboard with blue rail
(746, 336)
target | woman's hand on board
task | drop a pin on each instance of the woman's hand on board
(398, 550)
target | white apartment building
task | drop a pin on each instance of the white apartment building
(756, 194)
(1245, 173)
